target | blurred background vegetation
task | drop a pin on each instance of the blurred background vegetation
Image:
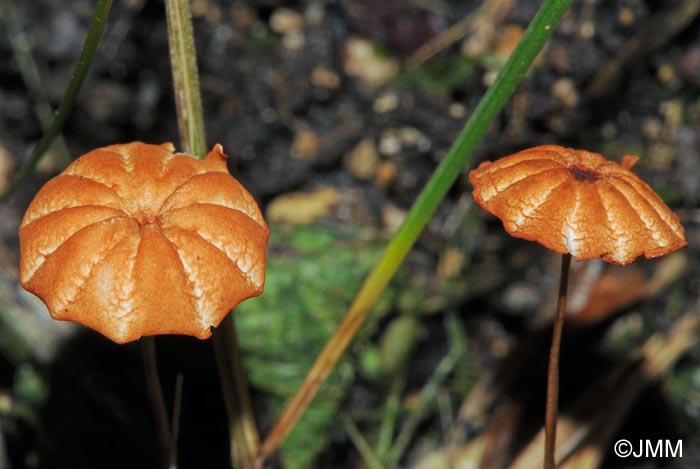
(334, 114)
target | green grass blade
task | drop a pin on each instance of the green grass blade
(28, 69)
(423, 209)
(458, 155)
(79, 73)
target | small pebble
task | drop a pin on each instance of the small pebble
(303, 207)
(294, 41)
(207, 10)
(306, 144)
(666, 74)
(457, 111)
(392, 217)
(475, 45)
(521, 297)
(564, 89)
(362, 61)
(450, 263)
(389, 143)
(489, 77)
(387, 102)
(414, 138)
(587, 30)
(652, 128)
(386, 173)
(285, 21)
(507, 40)
(363, 160)
(325, 77)
(626, 16)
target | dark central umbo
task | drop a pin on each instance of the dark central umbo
(583, 174)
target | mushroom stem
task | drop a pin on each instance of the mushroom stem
(552, 406)
(245, 441)
(155, 395)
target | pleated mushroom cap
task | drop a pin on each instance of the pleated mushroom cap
(135, 240)
(577, 202)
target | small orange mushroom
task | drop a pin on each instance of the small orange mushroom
(579, 204)
(137, 240)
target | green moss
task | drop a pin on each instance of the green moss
(313, 274)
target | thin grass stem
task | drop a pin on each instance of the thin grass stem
(392, 409)
(27, 67)
(369, 457)
(183, 60)
(427, 394)
(64, 108)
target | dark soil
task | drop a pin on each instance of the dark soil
(617, 77)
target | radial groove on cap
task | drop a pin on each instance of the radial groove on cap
(197, 292)
(656, 209)
(195, 191)
(80, 263)
(108, 296)
(215, 224)
(535, 202)
(65, 192)
(573, 225)
(47, 233)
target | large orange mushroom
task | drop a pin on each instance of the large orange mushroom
(579, 204)
(137, 240)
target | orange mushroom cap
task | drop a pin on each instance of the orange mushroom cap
(577, 202)
(135, 240)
